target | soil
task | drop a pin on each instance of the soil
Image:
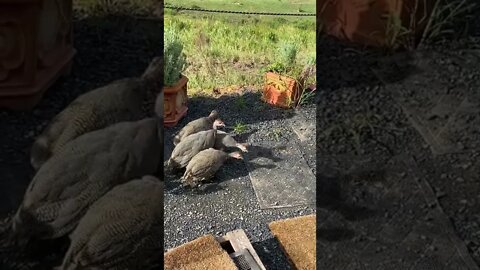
(109, 48)
(410, 118)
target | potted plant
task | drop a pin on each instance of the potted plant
(175, 83)
(35, 49)
(381, 23)
(284, 80)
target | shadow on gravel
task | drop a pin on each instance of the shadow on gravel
(344, 64)
(333, 194)
(239, 112)
(246, 108)
(230, 170)
(335, 234)
(271, 255)
(264, 152)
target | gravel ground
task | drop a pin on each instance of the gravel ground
(108, 49)
(361, 116)
(230, 202)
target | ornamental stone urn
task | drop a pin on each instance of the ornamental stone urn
(175, 102)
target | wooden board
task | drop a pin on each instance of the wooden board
(240, 243)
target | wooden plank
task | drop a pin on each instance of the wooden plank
(239, 241)
(248, 258)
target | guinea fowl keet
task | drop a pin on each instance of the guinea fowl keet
(84, 170)
(201, 124)
(122, 230)
(189, 147)
(119, 101)
(223, 141)
(205, 164)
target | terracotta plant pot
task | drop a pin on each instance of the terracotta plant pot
(175, 102)
(281, 91)
(367, 22)
(35, 49)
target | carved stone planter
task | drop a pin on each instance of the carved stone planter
(175, 102)
(374, 23)
(35, 49)
(281, 91)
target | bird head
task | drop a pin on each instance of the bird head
(213, 114)
(218, 123)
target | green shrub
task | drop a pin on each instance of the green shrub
(287, 53)
(287, 56)
(175, 60)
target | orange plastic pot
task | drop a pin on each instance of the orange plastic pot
(175, 102)
(281, 91)
(367, 22)
(35, 49)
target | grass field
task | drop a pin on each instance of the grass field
(225, 50)
(280, 6)
(108, 7)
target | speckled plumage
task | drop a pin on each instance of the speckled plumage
(190, 146)
(119, 101)
(204, 165)
(122, 230)
(201, 124)
(82, 171)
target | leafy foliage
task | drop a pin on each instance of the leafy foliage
(175, 59)
(288, 53)
(287, 56)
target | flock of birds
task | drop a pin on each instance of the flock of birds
(99, 176)
(200, 148)
(98, 180)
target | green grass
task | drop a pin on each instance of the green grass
(228, 49)
(225, 49)
(277, 6)
(240, 128)
(107, 7)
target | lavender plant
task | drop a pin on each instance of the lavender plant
(175, 59)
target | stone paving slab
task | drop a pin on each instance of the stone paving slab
(437, 107)
(284, 181)
(282, 171)
(304, 127)
(406, 228)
